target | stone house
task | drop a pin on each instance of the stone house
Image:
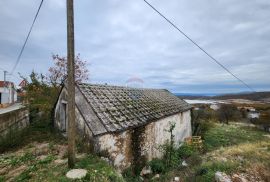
(126, 124)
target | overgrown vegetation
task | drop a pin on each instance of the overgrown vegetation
(38, 131)
(42, 90)
(227, 148)
(40, 155)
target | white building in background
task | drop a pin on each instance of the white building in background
(8, 94)
(253, 115)
(215, 107)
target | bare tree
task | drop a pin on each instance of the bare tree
(227, 112)
(58, 72)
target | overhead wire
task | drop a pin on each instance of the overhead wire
(202, 49)
(27, 37)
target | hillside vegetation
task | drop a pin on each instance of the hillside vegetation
(234, 149)
(39, 153)
(258, 96)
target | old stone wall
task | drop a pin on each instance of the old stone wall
(117, 147)
(13, 120)
(156, 133)
(142, 143)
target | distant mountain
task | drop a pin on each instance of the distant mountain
(194, 95)
(256, 96)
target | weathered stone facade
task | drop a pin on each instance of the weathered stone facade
(147, 141)
(133, 144)
(13, 120)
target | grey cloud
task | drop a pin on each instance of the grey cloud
(121, 39)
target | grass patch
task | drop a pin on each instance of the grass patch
(228, 135)
(206, 171)
(46, 170)
(98, 170)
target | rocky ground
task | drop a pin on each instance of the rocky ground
(48, 162)
(241, 154)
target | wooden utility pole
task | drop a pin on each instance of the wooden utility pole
(71, 84)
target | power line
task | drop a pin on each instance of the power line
(215, 60)
(19, 57)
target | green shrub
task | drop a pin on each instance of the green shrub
(130, 176)
(170, 155)
(185, 151)
(195, 159)
(128, 173)
(157, 166)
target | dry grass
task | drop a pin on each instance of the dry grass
(247, 150)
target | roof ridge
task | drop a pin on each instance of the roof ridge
(118, 86)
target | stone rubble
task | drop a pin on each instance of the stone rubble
(156, 176)
(222, 177)
(184, 163)
(239, 178)
(76, 173)
(146, 170)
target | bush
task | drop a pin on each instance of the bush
(157, 166)
(170, 155)
(185, 151)
(130, 176)
(205, 126)
(228, 112)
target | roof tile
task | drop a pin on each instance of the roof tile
(119, 108)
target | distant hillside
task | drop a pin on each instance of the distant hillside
(258, 96)
(195, 95)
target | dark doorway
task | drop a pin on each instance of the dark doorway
(64, 117)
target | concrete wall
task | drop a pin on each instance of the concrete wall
(143, 143)
(13, 120)
(8, 95)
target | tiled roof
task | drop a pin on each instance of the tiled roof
(120, 108)
(5, 84)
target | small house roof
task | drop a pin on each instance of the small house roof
(6, 83)
(119, 108)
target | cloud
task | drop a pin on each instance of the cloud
(121, 39)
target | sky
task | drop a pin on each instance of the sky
(121, 40)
